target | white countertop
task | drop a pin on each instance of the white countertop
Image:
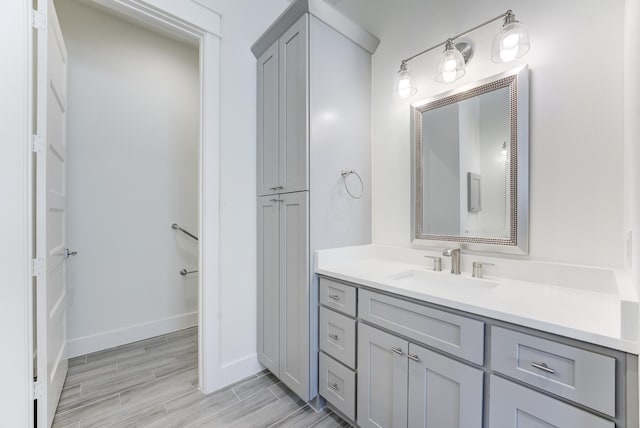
(595, 305)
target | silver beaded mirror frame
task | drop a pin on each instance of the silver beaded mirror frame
(516, 238)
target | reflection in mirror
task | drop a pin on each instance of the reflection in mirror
(466, 177)
(471, 165)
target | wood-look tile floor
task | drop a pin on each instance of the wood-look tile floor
(154, 383)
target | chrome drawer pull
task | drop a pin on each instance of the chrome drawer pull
(414, 358)
(543, 366)
(334, 297)
(333, 386)
(333, 336)
(397, 350)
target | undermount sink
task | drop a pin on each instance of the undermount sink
(446, 280)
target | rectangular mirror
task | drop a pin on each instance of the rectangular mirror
(470, 166)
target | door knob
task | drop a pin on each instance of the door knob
(68, 253)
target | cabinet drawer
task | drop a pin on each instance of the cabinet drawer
(514, 406)
(578, 375)
(337, 384)
(338, 296)
(338, 336)
(451, 333)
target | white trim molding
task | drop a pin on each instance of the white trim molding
(16, 297)
(202, 24)
(109, 339)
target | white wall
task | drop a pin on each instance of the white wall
(132, 171)
(242, 23)
(632, 132)
(16, 369)
(576, 116)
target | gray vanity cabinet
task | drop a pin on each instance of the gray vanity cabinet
(514, 406)
(268, 122)
(443, 392)
(282, 151)
(283, 243)
(269, 283)
(313, 121)
(402, 384)
(383, 370)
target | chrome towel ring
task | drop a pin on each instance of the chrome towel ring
(347, 172)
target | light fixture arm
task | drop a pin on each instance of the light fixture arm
(508, 16)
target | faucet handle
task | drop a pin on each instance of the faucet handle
(437, 262)
(477, 269)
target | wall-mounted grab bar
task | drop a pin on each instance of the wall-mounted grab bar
(185, 272)
(175, 226)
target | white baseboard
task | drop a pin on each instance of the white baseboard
(232, 372)
(112, 338)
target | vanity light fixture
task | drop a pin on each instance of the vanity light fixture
(511, 42)
(451, 64)
(403, 85)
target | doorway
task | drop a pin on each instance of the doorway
(176, 22)
(133, 123)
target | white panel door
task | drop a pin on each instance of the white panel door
(51, 346)
(294, 108)
(294, 292)
(269, 283)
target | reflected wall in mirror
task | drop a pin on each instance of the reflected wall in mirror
(470, 165)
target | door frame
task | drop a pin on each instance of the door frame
(197, 23)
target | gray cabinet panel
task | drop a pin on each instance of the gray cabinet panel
(294, 292)
(268, 122)
(338, 336)
(294, 108)
(268, 284)
(337, 384)
(582, 376)
(338, 296)
(382, 379)
(443, 392)
(451, 333)
(514, 406)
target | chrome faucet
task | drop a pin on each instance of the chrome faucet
(454, 253)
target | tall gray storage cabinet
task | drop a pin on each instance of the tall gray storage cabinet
(314, 81)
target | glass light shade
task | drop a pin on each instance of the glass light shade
(511, 42)
(451, 65)
(403, 85)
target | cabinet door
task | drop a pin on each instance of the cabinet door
(515, 406)
(294, 108)
(268, 122)
(268, 283)
(443, 392)
(382, 379)
(294, 292)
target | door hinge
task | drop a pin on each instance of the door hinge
(38, 143)
(38, 20)
(37, 267)
(39, 390)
